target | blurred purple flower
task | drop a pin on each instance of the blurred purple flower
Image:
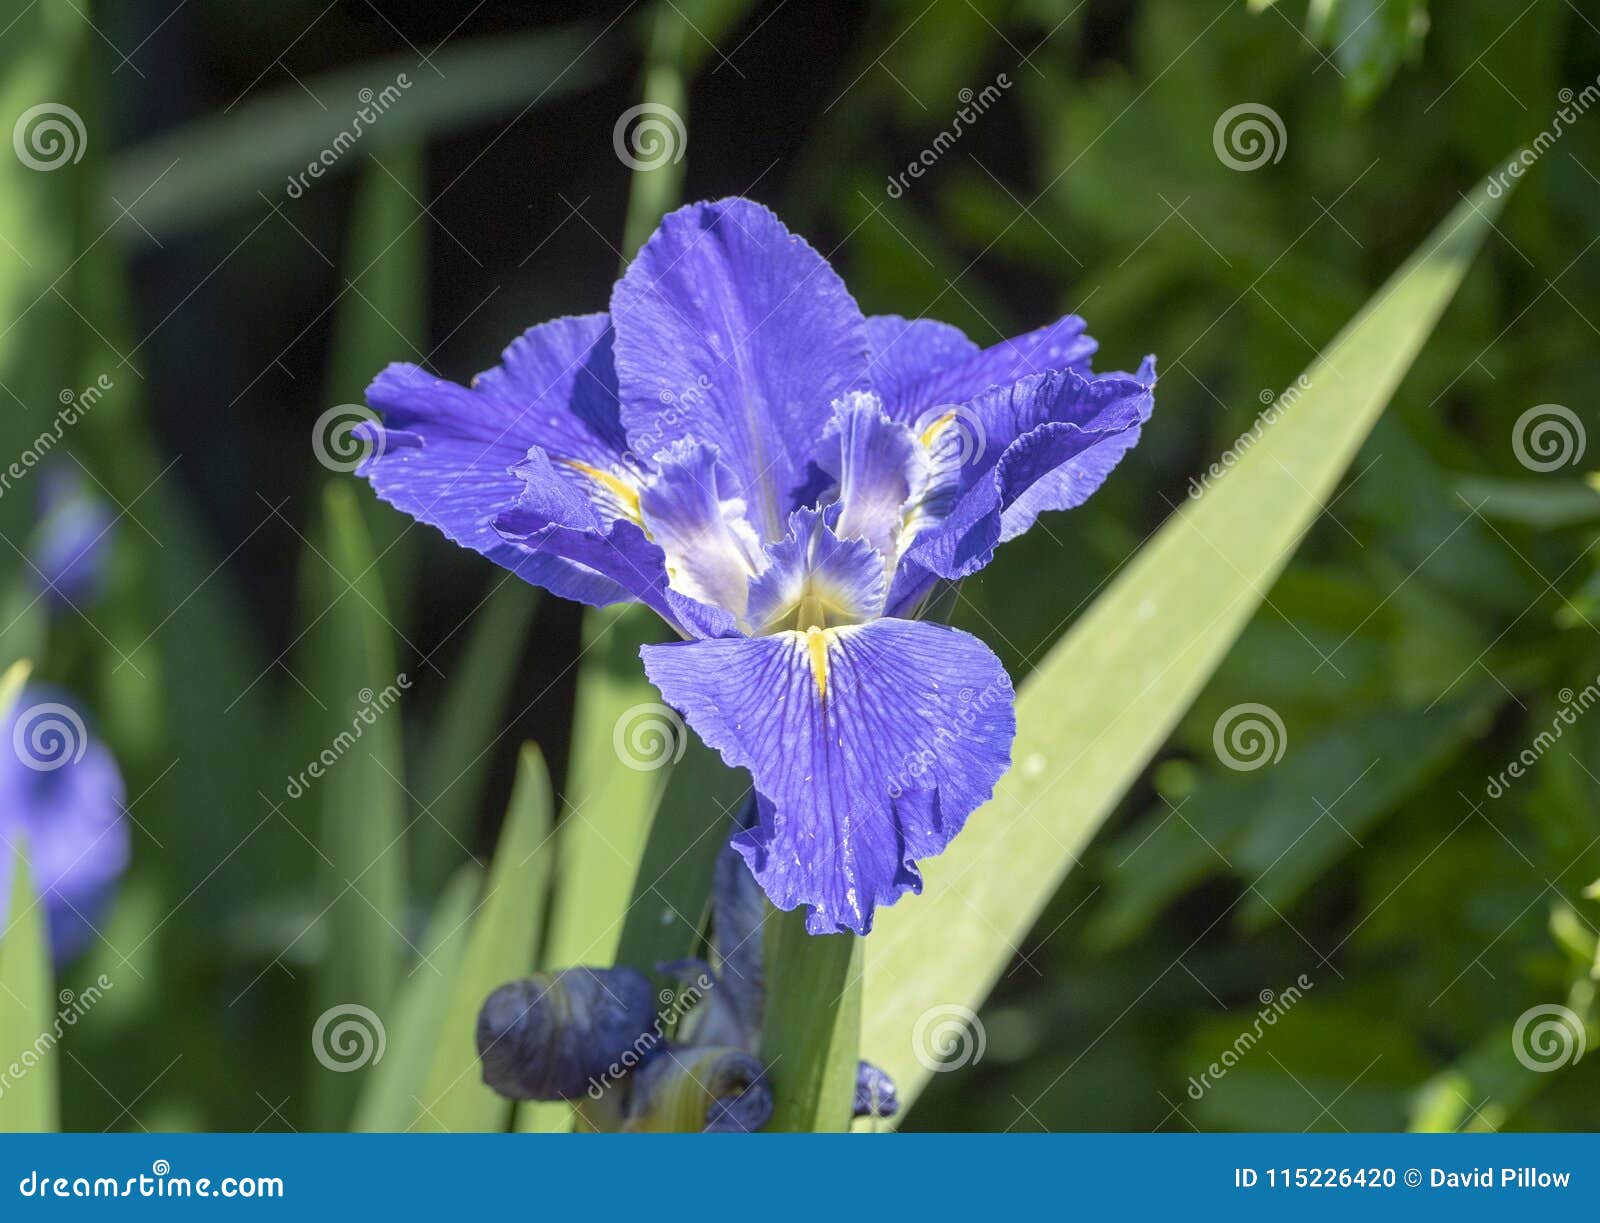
(61, 801)
(71, 539)
(784, 481)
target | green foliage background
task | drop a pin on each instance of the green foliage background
(1423, 635)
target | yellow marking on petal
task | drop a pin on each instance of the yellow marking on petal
(938, 426)
(620, 489)
(817, 648)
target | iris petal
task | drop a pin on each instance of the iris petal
(552, 519)
(690, 512)
(445, 453)
(880, 465)
(732, 330)
(1058, 346)
(1059, 435)
(907, 352)
(815, 579)
(860, 777)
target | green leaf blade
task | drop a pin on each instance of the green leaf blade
(503, 946)
(812, 1030)
(27, 1005)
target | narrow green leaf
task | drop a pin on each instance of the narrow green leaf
(812, 1027)
(503, 946)
(395, 1084)
(27, 1007)
(360, 789)
(456, 755)
(379, 318)
(671, 891)
(1106, 697)
(623, 740)
(212, 165)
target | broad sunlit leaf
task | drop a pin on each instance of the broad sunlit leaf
(1106, 697)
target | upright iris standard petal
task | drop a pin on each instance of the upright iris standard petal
(907, 352)
(946, 382)
(732, 330)
(870, 745)
(61, 796)
(445, 454)
(1053, 439)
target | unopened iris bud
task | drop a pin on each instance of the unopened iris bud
(875, 1093)
(560, 1036)
(705, 1089)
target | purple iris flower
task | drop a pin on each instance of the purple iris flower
(61, 803)
(784, 481)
